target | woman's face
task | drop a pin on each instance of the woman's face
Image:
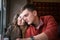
(20, 21)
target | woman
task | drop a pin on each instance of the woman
(17, 28)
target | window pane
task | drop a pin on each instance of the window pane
(0, 16)
(0, 19)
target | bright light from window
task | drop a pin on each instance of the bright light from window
(0, 4)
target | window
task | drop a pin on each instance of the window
(2, 18)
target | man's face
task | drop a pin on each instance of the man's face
(28, 16)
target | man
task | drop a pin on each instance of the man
(43, 28)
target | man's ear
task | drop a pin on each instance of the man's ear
(35, 13)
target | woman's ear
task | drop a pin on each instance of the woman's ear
(35, 13)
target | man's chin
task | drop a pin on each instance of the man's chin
(29, 23)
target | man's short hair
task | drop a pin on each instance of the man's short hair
(30, 7)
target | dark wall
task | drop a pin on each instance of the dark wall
(13, 7)
(48, 8)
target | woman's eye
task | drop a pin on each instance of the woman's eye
(19, 16)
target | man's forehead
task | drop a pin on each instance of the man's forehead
(23, 13)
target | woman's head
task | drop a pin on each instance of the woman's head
(17, 20)
(20, 21)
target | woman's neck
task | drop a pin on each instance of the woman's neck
(21, 26)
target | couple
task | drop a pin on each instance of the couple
(28, 26)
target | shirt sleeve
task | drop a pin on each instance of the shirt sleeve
(51, 28)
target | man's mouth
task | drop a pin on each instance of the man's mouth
(27, 21)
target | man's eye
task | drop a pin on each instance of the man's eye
(26, 15)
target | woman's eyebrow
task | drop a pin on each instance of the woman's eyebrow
(21, 17)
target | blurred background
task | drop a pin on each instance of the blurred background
(8, 8)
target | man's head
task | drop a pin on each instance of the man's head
(29, 13)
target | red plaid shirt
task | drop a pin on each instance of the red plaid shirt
(49, 27)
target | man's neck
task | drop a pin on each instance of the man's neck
(37, 21)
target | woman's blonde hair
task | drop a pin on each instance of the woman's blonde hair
(14, 21)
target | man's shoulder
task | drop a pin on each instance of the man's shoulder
(47, 16)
